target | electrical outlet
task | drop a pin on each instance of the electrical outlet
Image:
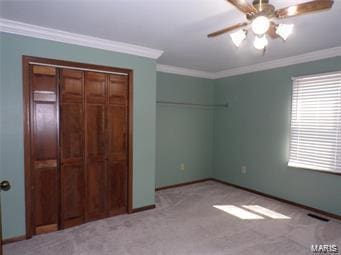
(243, 169)
(182, 167)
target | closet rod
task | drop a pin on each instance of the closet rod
(193, 104)
(77, 68)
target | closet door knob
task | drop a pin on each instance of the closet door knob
(5, 185)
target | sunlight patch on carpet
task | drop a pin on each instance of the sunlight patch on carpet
(265, 211)
(239, 212)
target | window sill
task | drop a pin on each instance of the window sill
(315, 170)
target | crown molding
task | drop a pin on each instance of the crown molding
(15, 27)
(184, 71)
(298, 59)
(303, 58)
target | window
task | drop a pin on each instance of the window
(315, 136)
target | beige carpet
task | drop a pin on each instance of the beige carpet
(185, 221)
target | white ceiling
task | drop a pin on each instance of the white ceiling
(178, 27)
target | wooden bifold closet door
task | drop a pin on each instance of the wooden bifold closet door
(72, 147)
(106, 139)
(96, 151)
(117, 150)
(44, 149)
(77, 146)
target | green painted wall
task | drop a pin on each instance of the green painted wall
(254, 132)
(183, 134)
(11, 164)
(1, 92)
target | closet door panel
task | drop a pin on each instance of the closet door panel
(117, 143)
(72, 176)
(45, 199)
(44, 146)
(96, 172)
(117, 152)
(95, 88)
(118, 89)
(117, 187)
(45, 130)
(72, 86)
(72, 148)
(96, 206)
(71, 132)
(117, 132)
(95, 131)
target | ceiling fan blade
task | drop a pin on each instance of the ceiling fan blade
(243, 6)
(272, 30)
(228, 29)
(303, 8)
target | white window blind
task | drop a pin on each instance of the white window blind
(315, 136)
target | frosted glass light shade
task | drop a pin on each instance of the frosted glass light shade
(284, 30)
(292, 10)
(260, 42)
(260, 25)
(238, 37)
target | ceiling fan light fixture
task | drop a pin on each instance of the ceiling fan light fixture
(261, 18)
(260, 42)
(284, 30)
(238, 37)
(260, 25)
(292, 10)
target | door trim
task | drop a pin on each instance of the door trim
(27, 126)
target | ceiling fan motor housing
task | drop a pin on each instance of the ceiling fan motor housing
(263, 9)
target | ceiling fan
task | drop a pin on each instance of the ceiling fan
(261, 14)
